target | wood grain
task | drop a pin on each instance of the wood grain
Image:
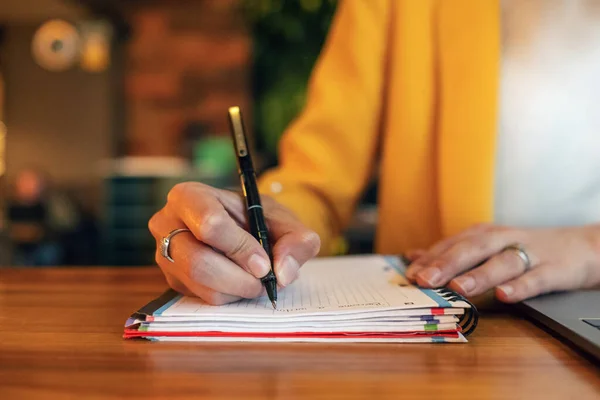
(60, 338)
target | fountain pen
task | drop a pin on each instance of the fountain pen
(256, 219)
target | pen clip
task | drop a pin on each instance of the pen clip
(235, 116)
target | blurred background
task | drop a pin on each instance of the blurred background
(106, 104)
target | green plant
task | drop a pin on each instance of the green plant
(287, 38)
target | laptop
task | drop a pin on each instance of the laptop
(574, 316)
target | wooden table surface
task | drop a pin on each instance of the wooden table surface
(60, 338)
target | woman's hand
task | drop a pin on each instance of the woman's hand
(473, 261)
(219, 261)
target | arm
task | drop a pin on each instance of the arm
(327, 155)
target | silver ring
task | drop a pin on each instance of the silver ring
(520, 251)
(166, 241)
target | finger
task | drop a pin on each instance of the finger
(444, 244)
(160, 224)
(497, 270)
(413, 267)
(201, 211)
(543, 279)
(175, 283)
(236, 207)
(440, 247)
(208, 295)
(462, 256)
(295, 244)
(197, 264)
(201, 264)
(218, 272)
(425, 258)
(213, 297)
(291, 251)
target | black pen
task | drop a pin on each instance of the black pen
(256, 219)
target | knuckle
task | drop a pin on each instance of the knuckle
(240, 248)
(184, 189)
(211, 223)
(178, 191)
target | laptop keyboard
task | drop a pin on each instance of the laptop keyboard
(595, 322)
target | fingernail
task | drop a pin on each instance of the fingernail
(431, 275)
(506, 289)
(288, 271)
(465, 283)
(258, 265)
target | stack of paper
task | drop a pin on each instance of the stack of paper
(341, 299)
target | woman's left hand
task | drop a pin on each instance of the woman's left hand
(475, 261)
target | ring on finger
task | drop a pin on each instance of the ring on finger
(166, 241)
(520, 251)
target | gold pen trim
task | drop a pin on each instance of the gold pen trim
(238, 131)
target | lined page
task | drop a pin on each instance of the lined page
(336, 285)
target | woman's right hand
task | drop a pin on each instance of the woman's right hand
(219, 260)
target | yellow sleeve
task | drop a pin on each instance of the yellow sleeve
(327, 154)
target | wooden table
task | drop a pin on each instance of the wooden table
(60, 338)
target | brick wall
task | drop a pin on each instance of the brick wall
(186, 62)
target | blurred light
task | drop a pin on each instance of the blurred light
(95, 48)
(55, 45)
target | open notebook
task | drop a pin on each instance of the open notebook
(337, 299)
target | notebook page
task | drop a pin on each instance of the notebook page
(337, 285)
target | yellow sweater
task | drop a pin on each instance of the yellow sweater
(406, 89)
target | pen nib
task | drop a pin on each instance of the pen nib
(274, 303)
